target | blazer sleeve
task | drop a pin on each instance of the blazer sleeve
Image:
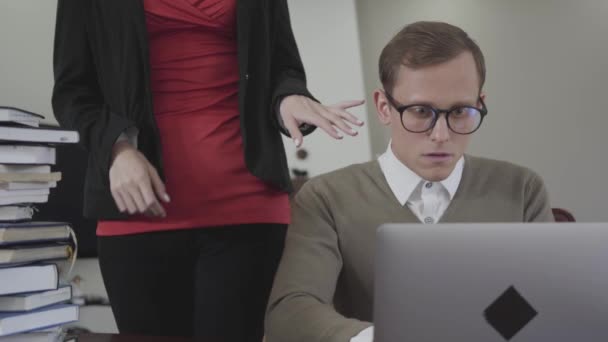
(287, 71)
(77, 98)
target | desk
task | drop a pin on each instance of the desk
(128, 338)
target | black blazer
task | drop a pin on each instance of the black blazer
(102, 86)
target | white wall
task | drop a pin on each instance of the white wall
(547, 67)
(26, 44)
(328, 38)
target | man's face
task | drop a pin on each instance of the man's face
(432, 154)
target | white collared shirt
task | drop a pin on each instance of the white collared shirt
(427, 200)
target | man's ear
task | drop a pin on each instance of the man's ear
(482, 96)
(383, 107)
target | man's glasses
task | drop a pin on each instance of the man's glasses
(418, 118)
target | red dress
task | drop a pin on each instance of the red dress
(194, 76)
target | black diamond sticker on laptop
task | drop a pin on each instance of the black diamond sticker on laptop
(509, 313)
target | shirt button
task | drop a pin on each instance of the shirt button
(429, 185)
(428, 220)
(247, 77)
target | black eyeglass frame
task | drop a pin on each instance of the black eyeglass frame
(436, 114)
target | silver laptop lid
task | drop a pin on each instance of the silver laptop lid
(492, 282)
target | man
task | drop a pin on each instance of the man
(433, 75)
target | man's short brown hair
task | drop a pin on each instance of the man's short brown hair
(427, 43)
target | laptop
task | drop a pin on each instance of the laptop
(491, 282)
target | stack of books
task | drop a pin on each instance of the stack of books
(34, 303)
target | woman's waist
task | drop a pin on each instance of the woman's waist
(204, 102)
(194, 71)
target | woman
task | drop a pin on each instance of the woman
(180, 104)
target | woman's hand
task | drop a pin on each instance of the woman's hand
(296, 110)
(136, 186)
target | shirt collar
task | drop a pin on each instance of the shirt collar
(403, 181)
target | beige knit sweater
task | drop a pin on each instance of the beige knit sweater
(323, 289)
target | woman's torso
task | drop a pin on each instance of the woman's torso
(194, 81)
